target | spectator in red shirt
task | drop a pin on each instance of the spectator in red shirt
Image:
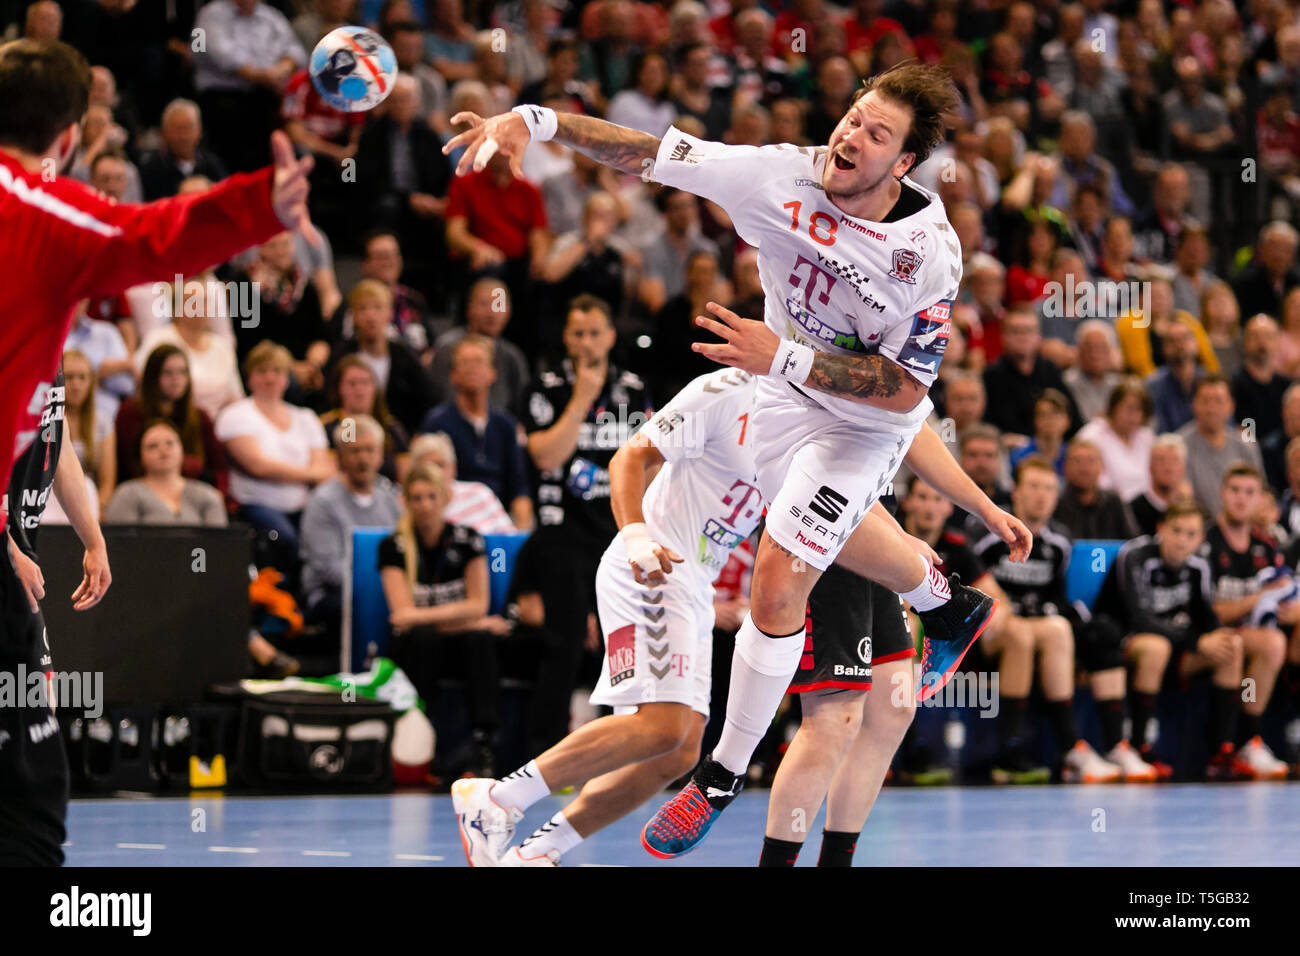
(802, 15)
(1033, 270)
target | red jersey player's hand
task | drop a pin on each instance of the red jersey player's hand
(96, 579)
(750, 345)
(1011, 530)
(290, 187)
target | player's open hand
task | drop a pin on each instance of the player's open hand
(505, 133)
(290, 187)
(749, 345)
(95, 579)
(1011, 530)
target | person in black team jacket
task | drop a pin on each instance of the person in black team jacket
(1042, 621)
(33, 767)
(1244, 566)
(576, 418)
(1155, 612)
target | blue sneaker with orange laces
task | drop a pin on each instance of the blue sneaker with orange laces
(684, 821)
(950, 631)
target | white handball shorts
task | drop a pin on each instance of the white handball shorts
(658, 639)
(819, 473)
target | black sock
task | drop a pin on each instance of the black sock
(1111, 713)
(837, 848)
(1248, 726)
(1224, 707)
(1061, 713)
(1015, 715)
(779, 852)
(1142, 707)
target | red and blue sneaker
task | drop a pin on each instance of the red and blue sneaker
(683, 822)
(950, 631)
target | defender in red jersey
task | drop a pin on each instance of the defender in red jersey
(60, 242)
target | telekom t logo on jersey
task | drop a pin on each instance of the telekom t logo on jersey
(741, 501)
(814, 271)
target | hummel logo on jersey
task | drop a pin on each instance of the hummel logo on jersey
(828, 503)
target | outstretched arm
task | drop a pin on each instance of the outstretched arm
(627, 150)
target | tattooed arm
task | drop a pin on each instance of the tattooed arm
(866, 379)
(627, 150)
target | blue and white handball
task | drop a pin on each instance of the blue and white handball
(353, 69)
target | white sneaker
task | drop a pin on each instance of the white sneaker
(1085, 765)
(1133, 767)
(486, 828)
(515, 857)
(1263, 765)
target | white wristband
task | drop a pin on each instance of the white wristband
(793, 361)
(640, 546)
(540, 120)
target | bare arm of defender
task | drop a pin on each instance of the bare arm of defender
(631, 470)
(627, 150)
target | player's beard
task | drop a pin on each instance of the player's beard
(849, 197)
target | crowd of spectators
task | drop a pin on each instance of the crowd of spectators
(1121, 176)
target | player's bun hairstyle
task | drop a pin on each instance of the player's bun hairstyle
(931, 95)
(44, 89)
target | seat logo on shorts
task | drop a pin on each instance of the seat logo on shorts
(864, 650)
(828, 503)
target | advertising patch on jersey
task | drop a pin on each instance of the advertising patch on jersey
(622, 653)
(924, 348)
(683, 152)
(906, 262)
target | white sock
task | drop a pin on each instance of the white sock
(931, 593)
(522, 788)
(555, 834)
(761, 670)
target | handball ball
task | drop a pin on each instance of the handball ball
(353, 69)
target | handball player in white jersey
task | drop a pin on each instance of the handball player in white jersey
(859, 267)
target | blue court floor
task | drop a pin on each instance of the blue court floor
(1177, 825)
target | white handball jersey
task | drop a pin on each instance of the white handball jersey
(833, 282)
(705, 499)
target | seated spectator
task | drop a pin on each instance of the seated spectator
(1153, 609)
(473, 504)
(407, 387)
(90, 432)
(1237, 556)
(407, 40)
(250, 54)
(980, 454)
(1016, 379)
(435, 577)
(100, 138)
(1031, 267)
(278, 453)
(102, 344)
(1171, 386)
(1272, 273)
(665, 254)
(694, 97)
(1095, 372)
(646, 104)
(1168, 471)
(1257, 389)
(609, 59)
(1158, 229)
(1222, 321)
(1086, 510)
(162, 494)
(412, 322)
(405, 176)
(1051, 422)
(1273, 447)
(964, 402)
(359, 497)
(486, 439)
(167, 393)
(449, 41)
(588, 260)
(291, 307)
(1142, 330)
(487, 313)
(1213, 441)
(1038, 625)
(982, 287)
(561, 79)
(1191, 277)
(566, 195)
(836, 79)
(1124, 438)
(1058, 308)
(163, 170)
(671, 359)
(543, 161)
(354, 392)
(1288, 353)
